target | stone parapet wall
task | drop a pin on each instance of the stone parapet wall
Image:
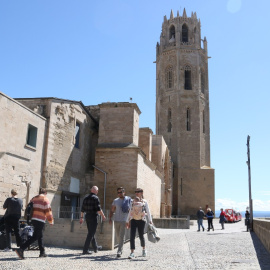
(262, 229)
(172, 223)
(67, 233)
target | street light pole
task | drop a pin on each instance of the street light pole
(249, 185)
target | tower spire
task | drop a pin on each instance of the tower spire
(172, 16)
(184, 13)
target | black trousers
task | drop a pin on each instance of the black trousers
(134, 224)
(12, 222)
(92, 222)
(37, 235)
(210, 223)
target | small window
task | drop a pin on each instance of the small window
(184, 33)
(202, 82)
(169, 120)
(169, 77)
(203, 122)
(188, 78)
(77, 135)
(188, 119)
(32, 136)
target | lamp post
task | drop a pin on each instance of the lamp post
(249, 185)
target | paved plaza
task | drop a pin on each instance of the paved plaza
(232, 248)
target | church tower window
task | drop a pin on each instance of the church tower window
(184, 33)
(202, 82)
(172, 34)
(188, 78)
(169, 120)
(188, 120)
(203, 122)
(169, 77)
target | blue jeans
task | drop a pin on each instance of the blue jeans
(200, 223)
(92, 222)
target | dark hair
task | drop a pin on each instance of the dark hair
(140, 190)
(42, 191)
(121, 188)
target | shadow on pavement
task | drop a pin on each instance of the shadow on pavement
(262, 254)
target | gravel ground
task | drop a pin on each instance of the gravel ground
(232, 248)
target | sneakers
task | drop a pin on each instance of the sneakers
(7, 250)
(97, 248)
(19, 253)
(88, 252)
(119, 253)
(144, 253)
(43, 255)
(131, 256)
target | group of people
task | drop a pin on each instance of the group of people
(41, 212)
(209, 215)
(132, 216)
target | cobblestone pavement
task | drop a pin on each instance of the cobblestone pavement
(232, 248)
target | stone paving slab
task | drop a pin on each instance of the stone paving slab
(232, 248)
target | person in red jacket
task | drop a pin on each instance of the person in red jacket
(222, 218)
(41, 212)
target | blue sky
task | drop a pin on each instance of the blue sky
(99, 51)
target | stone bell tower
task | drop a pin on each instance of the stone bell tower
(182, 111)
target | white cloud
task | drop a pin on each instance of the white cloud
(258, 205)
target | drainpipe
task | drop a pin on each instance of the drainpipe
(105, 182)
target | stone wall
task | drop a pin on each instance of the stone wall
(119, 123)
(67, 233)
(20, 163)
(262, 229)
(145, 141)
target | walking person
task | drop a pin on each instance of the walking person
(210, 215)
(91, 208)
(13, 207)
(222, 218)
(200, 216)
(247, 220)
(137, 221)
(41, 212)
(119, 212)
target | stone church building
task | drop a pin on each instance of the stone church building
(68, 147)
(182, 111)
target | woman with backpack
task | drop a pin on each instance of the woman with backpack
(137, 219)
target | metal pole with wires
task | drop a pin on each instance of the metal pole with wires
(249, 184)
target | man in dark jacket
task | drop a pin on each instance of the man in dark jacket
(200, 216)
(13, 206)
(91, 208)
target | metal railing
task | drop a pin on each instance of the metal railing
(69, 212)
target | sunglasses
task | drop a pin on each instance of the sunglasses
(138, 191)
(119, 192)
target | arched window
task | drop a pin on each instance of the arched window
(169, 120)
(184, 33)
(188, 78)
(188, 120)
(202, 82)
(169, 77)
(172, 34)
